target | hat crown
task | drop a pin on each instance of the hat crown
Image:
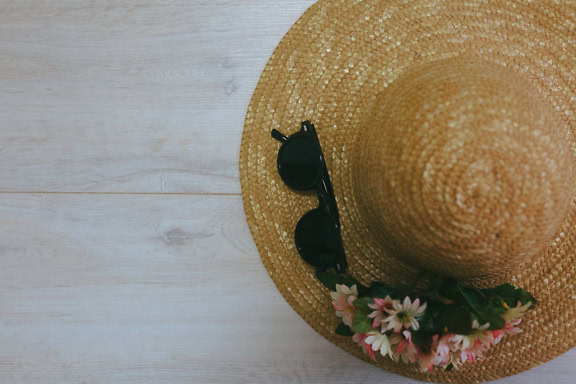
(462, 168)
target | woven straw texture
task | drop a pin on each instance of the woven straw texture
(390, 87)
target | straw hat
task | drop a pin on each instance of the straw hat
(447, 128)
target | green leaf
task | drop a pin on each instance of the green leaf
(450, 290)
(472, 298)
(491, 315)
(344, 330)
(381, 290)
(361, 322)
(506, 292)
(511, 295)
(490, 307)
(329, 280)
(488, 310)
(455, 319)
(361, 305)
(524, 297)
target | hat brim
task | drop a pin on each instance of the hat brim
(336, 58)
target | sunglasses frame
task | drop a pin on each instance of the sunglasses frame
(323, 186)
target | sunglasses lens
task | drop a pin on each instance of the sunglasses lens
(317, 239)
(299, 163)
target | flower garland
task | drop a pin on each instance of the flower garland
(445, 325)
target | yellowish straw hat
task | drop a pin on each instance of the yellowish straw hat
(448, 131)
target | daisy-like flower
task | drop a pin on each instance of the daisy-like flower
(455, 360)
(403, 348)
(344, 291)
(445, 351)
(379, 342)
(426, 360)
(474, 353)
(380, 307)
(360, 338)
(343, 301)
(404, 314)
(516, 312)
(464, 342)
(509, 329)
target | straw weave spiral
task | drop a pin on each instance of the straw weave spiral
(461, 168)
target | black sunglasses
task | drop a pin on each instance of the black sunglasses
(302, 167)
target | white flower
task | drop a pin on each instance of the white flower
(346, 292)
(516, 312)
(343, 301)
(465, 342)
(404, 314)
(379, 342)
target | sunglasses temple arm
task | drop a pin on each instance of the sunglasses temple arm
(342, 264)
(278, 136)
(326, 197)
(327, 201)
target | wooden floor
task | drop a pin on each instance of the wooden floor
(124, 252)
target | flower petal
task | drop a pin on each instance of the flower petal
(415, 305)
(406, 304)
(421, 310)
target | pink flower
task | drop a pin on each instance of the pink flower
(343, 301)
(380, 306)
(402, 347)
(474, 353)
(360, 338)
(445, 350)
(509, 329)
(403, 315)
(427, 359)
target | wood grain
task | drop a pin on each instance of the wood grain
(156, 289)
(130, 96)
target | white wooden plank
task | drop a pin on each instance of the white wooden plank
(157, 289)
(130, 96)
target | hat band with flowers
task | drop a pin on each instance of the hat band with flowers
(445, 325)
